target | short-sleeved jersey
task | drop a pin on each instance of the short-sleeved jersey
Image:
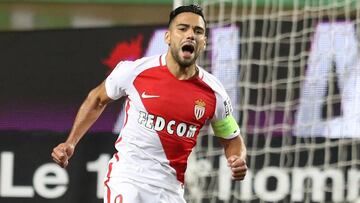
(164, 116)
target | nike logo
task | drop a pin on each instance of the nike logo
(146, 96)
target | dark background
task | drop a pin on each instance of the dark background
(45, 75)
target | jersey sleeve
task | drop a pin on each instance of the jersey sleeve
(117, 83)
(223, 123)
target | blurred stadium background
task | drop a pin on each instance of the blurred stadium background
(291, 68)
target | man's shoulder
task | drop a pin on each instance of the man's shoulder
(133, 68)
(209, 78)
(212, 81)
(144, 62)
(154, 58)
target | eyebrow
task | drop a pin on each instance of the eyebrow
(187, 25)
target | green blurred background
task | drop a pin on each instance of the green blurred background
(53, 14)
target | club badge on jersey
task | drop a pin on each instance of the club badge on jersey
(199, 109)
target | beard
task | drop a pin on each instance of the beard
(184, 62)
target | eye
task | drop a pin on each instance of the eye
(199, 31)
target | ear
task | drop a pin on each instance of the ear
(167, 37)
(205, 40)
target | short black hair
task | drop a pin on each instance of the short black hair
(193, 8)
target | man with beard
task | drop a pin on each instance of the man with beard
(169, 101)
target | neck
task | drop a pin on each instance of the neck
(181, 73)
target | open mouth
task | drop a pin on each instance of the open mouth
(188, 48)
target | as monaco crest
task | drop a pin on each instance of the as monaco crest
(199, 109)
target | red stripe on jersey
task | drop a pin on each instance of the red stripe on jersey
(182, 104)
(108, 196)
(120, 197)
(116, 156)
(118, 140)
(127, 107)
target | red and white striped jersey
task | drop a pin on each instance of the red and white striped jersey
(164, 116)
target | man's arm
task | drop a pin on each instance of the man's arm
(235, 152)
(88, 113)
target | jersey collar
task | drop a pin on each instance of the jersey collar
(163, 63)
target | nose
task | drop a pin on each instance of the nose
(190, 34)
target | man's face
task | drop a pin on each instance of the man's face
(186, 38)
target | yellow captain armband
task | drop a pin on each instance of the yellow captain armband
(225, 127)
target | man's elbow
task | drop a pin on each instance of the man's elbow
(98, 97)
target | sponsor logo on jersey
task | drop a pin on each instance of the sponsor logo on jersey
(147, 96)
(199, 109)
(172, 127)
